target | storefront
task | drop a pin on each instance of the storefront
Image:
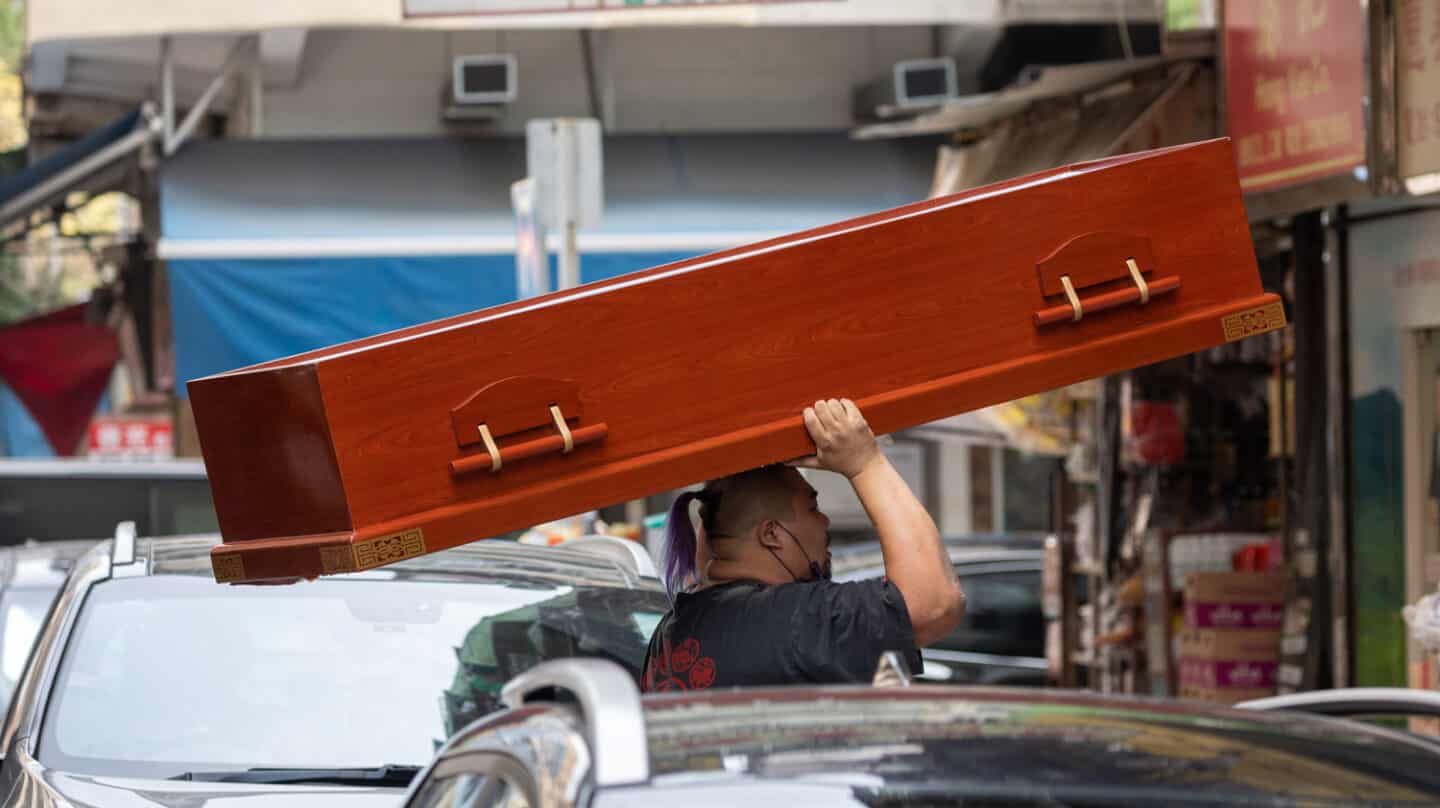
(1395, 370)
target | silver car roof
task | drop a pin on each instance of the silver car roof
(490, 558)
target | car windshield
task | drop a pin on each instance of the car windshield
(21, 613)
(358, 671)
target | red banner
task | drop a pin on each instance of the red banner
(59, 365)
(1294, 89)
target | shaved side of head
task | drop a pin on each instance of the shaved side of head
(742, 501)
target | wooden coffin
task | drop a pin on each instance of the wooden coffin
(429, 437)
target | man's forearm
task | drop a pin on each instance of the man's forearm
(915, 557)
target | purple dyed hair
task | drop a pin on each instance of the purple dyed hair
(678, 555)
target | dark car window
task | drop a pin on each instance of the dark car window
(1002, 615)
(169, 674)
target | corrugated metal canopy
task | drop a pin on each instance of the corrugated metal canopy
(1083, 112)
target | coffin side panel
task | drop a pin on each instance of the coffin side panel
(268, 454)
(744, 341)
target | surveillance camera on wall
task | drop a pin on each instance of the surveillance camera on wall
(491, 78)
(910, 85)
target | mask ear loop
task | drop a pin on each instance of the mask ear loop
(786, 567)
(817, 573)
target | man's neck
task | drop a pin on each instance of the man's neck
(723, 571)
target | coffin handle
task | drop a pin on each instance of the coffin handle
(563, 441)
(514, 408)
(1088, 262)
(1077, 307)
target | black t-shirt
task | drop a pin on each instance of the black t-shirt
(746, 634)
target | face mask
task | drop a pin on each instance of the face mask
(817, 571)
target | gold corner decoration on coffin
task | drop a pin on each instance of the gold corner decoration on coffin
(228, 567)
(1270, 317)
(389, 548)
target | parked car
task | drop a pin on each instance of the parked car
(31, 575)
(153, 685)
(1001, 638)
(603, 745)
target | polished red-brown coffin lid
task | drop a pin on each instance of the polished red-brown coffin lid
(368, 452)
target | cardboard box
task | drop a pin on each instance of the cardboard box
(1239, 646)
(1267, 617)
(1216, 695)
(1235, 601)
(1235, 587)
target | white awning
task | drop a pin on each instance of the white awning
(71, 20)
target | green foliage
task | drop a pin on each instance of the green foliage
(22, 297)
(12, 34)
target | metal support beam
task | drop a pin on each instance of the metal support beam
(175, 137)
(167, 89)
(1337, 443)
(257, 90)
(1382, 123)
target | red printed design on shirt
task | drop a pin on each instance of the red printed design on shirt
(679, 667)
(702, 675)
(683, 657)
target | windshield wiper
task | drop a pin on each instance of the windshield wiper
(387, 775)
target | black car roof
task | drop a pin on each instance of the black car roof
(925, 736)
(487, 559)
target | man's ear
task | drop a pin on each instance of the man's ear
(769, 534)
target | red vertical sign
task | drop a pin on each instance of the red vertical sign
(1294, 88)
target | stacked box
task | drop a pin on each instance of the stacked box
(1230, 647)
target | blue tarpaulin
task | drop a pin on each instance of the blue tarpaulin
(278, 247)
(228, 313)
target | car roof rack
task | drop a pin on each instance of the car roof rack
(609, 705)
(122, 549)
(632, 555)
(1352, 701)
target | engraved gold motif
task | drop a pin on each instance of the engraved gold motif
(337, 558)
(389, 548)
(228, 567)
(1255, 321)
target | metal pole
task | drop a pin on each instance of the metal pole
(257, 91)
(569, 258)
(1382, 124)
(567, 178)
(1337, 445)
(192, 118)
(167, 91)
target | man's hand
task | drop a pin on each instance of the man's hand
(843, 441)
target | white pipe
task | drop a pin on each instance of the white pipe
(39, 194)
(208, 97)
